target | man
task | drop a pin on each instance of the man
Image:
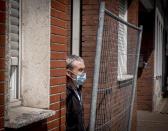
(75, 79)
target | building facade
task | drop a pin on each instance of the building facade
(35, 38)
(152, 80)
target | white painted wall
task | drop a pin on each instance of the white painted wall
(35, 76)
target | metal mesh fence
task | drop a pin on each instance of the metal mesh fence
(115, 69)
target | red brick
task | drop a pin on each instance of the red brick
(63, 96)
(62, 120)
(2, 52)
(63, 111)
(2, 111)
(58, 89)
(2, 29)
(53, 124)
(2, 5)
(1, 99)
(62, 1)
(2, 17)
(58, 14)
(58, 31)
(58, 55)
(2, 63)
(2, 39)
(63, 128)
(90, 2)
(58, 64)
(57, 80)
(2, 86)
(2, 75)
(1, 122)
(90, 7)
(58, 47)
(57, 125)
(58, 39)
(55, 98)
(55, 106)
(58, 6)
(58, 22)
(58, 72)
(58, 114)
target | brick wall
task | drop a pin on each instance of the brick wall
(90, 11)
(2, 61)
(59, 40)
(145, 79)
(69, 26)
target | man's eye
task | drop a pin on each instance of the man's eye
(81, 70)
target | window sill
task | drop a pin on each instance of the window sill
(125, 78)
(15, 102)
(22, 116)
(125, 81)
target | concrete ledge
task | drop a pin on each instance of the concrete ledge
(125, 78)
(23, 116)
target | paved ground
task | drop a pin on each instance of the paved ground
(154, 121)
(164, 106)
(149, 121)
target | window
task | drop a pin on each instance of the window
(28, 62)
(76, 27)
(122, 40)
(29, 53)
(14, 43)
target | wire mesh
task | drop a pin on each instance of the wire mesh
(116, 75)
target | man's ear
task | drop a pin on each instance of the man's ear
(68, 73)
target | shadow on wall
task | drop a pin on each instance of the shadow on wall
(38, 126)
(147, 47)
(146, 72)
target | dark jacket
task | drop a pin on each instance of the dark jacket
(74, 109)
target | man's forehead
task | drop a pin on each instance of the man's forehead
(79, 64)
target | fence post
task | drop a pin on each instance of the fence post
(97, 67)
(135, 77)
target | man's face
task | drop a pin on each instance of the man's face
(79, 67)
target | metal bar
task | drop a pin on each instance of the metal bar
(135, 78)
(97, 67)
(121, 20)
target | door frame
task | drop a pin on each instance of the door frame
(158, 56)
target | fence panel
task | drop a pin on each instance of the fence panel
(115, 74)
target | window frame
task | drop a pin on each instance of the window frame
(76, 26)
(122, 70)
(15, 101)
(25, 86)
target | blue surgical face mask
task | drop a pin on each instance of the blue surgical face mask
(80, 78)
